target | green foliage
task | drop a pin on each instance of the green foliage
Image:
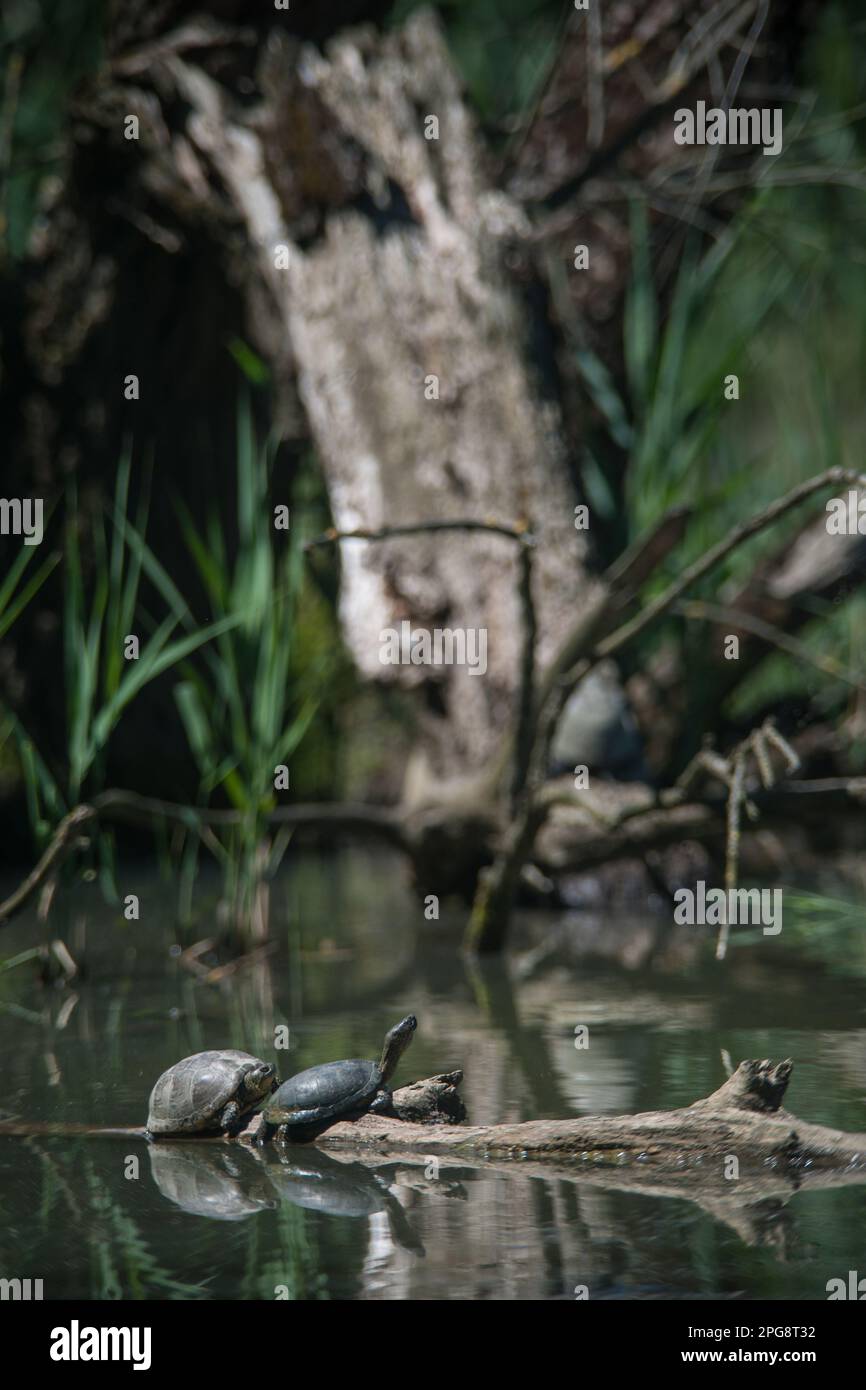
(830, 932)
(121, 1262)
(779, 300)
(245, 703)
(640, 328)
(676, 373)
(100, 610)
(15, 595)
(245, 711)
(836, 633)
(46, 47)
(250, 363)
(14, 599)
(295, 1261)
(100, 683)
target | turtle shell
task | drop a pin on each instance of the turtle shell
(327, 1091)
(188, 1097)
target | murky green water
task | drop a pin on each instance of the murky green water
(117, 1219)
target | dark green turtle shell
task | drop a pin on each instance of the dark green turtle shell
(326, 1092)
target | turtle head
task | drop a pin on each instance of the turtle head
(396, 1042)
(260, 1080)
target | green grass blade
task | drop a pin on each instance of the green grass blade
(641, 311)
(600, 385)
(153, 661)
(11, 611)
(207, 564)
(196, 727)
(155, 571)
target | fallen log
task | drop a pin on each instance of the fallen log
(742, 1120)
(426, 1103)
(693, 1146)
(682, 1153)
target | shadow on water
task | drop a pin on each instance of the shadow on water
(351, 953)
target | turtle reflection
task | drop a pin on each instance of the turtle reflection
(231, 1183)
(226, 1185)
(314, 1180)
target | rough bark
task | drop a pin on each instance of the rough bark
(742, 1119)
(409, 344)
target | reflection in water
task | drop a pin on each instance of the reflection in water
(352, 954)
(209, 1180)
(231, 1183)
(322, 1183)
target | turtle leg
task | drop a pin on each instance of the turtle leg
(266, 1132)
(384, 1102)
(231, 1119)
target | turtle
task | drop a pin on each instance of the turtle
(209, 1092)
(313, 1100)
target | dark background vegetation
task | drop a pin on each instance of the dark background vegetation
(645, 426)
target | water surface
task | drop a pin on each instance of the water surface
(98, 1218)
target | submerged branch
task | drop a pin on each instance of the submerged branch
(130, 807)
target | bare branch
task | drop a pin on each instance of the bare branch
(774, 636)
(127, 806)
(833, 477)
(516, 532)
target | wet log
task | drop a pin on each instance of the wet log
(664, 1150)
(742, 1120)
(434, 1100)
(682, 1153)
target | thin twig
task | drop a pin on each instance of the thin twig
(62, 842)
(712, 154)
(516, 532)
(518, 138)
(663, 99)
(488, 924)
(525, 723)
(832, 477)
(731, 772)
(774, 636)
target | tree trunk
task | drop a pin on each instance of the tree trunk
(409, 341)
